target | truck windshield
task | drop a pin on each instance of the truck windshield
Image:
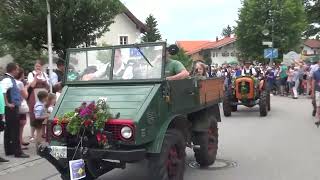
(129, 63)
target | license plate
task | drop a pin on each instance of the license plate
(59, 152)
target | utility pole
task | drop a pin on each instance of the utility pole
(272, 33)
(49, 44)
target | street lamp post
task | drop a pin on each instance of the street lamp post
(272, 39)
(49, 43)
(266, 32)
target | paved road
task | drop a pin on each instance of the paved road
(283, 146)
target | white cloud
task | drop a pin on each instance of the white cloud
(187, 19)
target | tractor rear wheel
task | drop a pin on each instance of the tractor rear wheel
(227, 106)
(268, 101)
(263, 104)
(234, 108)
(206, 145)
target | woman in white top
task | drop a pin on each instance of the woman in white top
(38, 81)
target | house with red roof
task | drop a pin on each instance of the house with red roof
(311, 47)
(220, 51)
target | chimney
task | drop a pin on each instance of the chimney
(217, 39)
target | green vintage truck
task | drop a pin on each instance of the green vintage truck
(154, 119)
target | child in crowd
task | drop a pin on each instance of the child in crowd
(41, 115)
(52, 98)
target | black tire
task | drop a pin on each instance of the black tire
(268, 101)
(170, 163)
(234, 108)
(263, 104)
(227, 107)
(206, 154)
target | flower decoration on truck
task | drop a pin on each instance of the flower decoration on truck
(89, 117)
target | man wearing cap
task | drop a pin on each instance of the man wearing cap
(174, 70)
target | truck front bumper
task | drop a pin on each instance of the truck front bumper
(111, 159)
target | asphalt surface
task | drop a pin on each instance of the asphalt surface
(282, 146)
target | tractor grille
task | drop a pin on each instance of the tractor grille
(244, 87)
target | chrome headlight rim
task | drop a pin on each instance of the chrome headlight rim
(57, 130)
(126, 132)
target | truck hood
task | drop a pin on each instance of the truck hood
(126, 100)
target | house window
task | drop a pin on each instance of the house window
(225, 54)
(123, 40)
(217, 54)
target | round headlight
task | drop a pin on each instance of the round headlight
(57, 130)
(126, 132)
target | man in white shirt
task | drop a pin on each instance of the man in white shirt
(12, 99)
(248, 70)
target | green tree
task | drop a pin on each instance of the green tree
(255, 16)
(152, 34)
(74, 22)
(183, 58)
(104, 56)
(226, 32)
(313, 13)
(24, 55)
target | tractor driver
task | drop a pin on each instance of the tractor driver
(248, 70)
(174, 70)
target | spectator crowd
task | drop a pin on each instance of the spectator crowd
(24, 96)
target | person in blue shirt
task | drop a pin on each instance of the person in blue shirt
(40, 113)
(270, 78)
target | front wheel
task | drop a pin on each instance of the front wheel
(207, 143)
(169, 164)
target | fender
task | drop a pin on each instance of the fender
(155, 146)
(202, 119)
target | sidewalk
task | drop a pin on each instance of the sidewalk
(19, 163)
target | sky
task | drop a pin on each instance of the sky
(187, 19)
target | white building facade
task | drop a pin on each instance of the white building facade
(224, 54)
(126, 29)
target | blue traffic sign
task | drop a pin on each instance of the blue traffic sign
(271, 53)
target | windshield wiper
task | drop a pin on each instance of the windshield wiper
(142, 54)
